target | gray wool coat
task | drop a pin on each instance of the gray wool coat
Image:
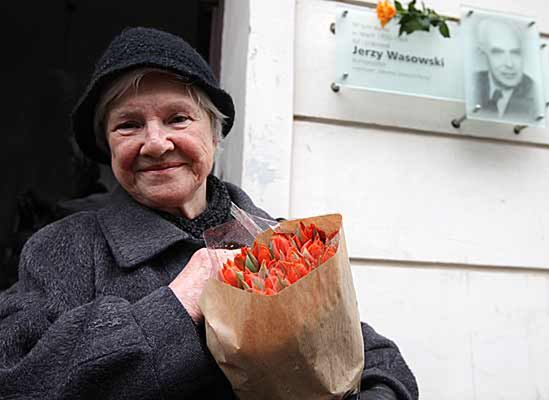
(92, 315)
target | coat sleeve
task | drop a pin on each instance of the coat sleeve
(384, 364)
(53, 347)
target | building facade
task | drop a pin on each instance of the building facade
(447, 228)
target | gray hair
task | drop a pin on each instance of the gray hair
(132, 79)
(486, 24)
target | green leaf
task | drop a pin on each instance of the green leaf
(263, 272)
(414, 19)
(425, 22)
(435, 22)
(251, 262)
(408, 28)
(293, 242)
(433, 17)
(405, 19)
(298, 234)
(271, 250)
(413, 25)
(412, 5)
(258, 283)
(241, 282)
(444, 30)
(281, 283)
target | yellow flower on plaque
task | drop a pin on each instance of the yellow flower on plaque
(385, 12)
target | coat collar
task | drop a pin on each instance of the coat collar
(134, 232)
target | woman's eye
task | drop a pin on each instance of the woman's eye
(180, 120)
(127, 126)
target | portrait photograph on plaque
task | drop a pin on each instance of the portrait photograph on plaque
(503, 74)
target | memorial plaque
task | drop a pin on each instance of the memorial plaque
(545, 70)
(375, 58)
(503, 74)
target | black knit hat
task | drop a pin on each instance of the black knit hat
(144, 47)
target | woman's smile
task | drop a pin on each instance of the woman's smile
(161, 168)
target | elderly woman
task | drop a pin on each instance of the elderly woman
(106, 303)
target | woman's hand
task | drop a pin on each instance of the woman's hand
(190, 282)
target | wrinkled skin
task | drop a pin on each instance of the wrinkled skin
(190, 282)
(162, 146)
(162, 150)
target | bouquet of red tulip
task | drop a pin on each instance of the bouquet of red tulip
(290, 256)
(282, 319)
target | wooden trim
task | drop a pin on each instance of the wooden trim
(216, 35)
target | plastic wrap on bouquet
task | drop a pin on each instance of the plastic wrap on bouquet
(304, 342)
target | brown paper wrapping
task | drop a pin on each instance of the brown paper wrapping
(303, 343)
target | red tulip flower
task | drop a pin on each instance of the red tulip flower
(289, 257)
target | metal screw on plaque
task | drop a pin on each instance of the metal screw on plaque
(333, 27)
(469, 13)
(547, 104)
(518, 128)
(543, 45)
(456, 122)
(345, 75)
(531, 24)
(539, 118)
(345, 13)
(335, 87)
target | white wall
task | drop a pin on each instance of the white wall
(264, 133)
(468, 333)
(414, 197)
(447, 229)
(234, 55)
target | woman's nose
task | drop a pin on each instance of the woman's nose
(157, 142)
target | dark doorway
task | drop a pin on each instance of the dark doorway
(48, 52)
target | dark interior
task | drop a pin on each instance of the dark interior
(48, 51)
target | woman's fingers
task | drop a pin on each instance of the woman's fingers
(190, 282)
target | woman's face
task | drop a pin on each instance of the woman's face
(162, 145)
